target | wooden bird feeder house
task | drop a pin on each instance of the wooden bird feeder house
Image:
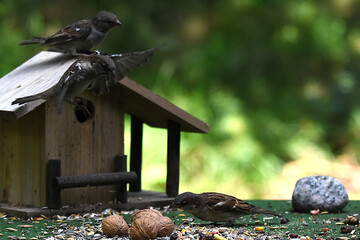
(52, 160)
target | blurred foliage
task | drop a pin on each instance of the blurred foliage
(272, 78)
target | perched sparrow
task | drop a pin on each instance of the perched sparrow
(94, 72)
(216, 207)
(76, 79)
(80, 36)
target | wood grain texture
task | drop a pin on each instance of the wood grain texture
(36, 75)
(86, 148)
(22, 159)
(155, 110)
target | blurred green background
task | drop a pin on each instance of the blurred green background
(278, 82)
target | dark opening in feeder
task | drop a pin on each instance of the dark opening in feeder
(84, 110)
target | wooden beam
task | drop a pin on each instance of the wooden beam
(136, 151)
(173, 159)
(53, 195)
(121, 189)
(99, 179)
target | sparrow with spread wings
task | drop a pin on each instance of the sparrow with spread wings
(94, 72)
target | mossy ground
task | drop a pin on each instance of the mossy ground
(302, 224)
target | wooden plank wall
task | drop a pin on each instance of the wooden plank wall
(86, 148)
(22, 158)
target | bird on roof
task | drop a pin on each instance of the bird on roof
(80, 36)
(216, 207)
(75, 80)
(94, 72)
(124, 63)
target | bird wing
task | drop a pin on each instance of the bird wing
(100, 85)
(75, 31)
(104, 77)
(74, 81)
(226, 203)
(127, 61)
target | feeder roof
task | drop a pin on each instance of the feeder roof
(44, 70)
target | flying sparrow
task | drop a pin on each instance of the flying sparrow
(80, 36)
(216, 207)
(94, 72)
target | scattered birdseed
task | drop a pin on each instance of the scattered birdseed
(12, 229)
(259, 229)
(284, 221)
(315, 212)
(26, 226)
(88, 226)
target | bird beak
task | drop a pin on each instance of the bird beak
(118, 23)
(173, 206)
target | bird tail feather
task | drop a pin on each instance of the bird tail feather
(34, 40)
(267, 212)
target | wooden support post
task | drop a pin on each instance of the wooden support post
(121, 189)
(173, 159)
(136, 151)
(53, 194)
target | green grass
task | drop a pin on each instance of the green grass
(302, 224)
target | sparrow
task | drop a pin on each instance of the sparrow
(124, 63)
(80, 36)
(96, 73)
(127, 61)
(216, 207)
(77, 78)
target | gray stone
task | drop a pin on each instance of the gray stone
(319, 192)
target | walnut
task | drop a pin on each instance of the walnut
(115, 225)
(165, 227)
(143, 228)
(146, 213)
(149, 224)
